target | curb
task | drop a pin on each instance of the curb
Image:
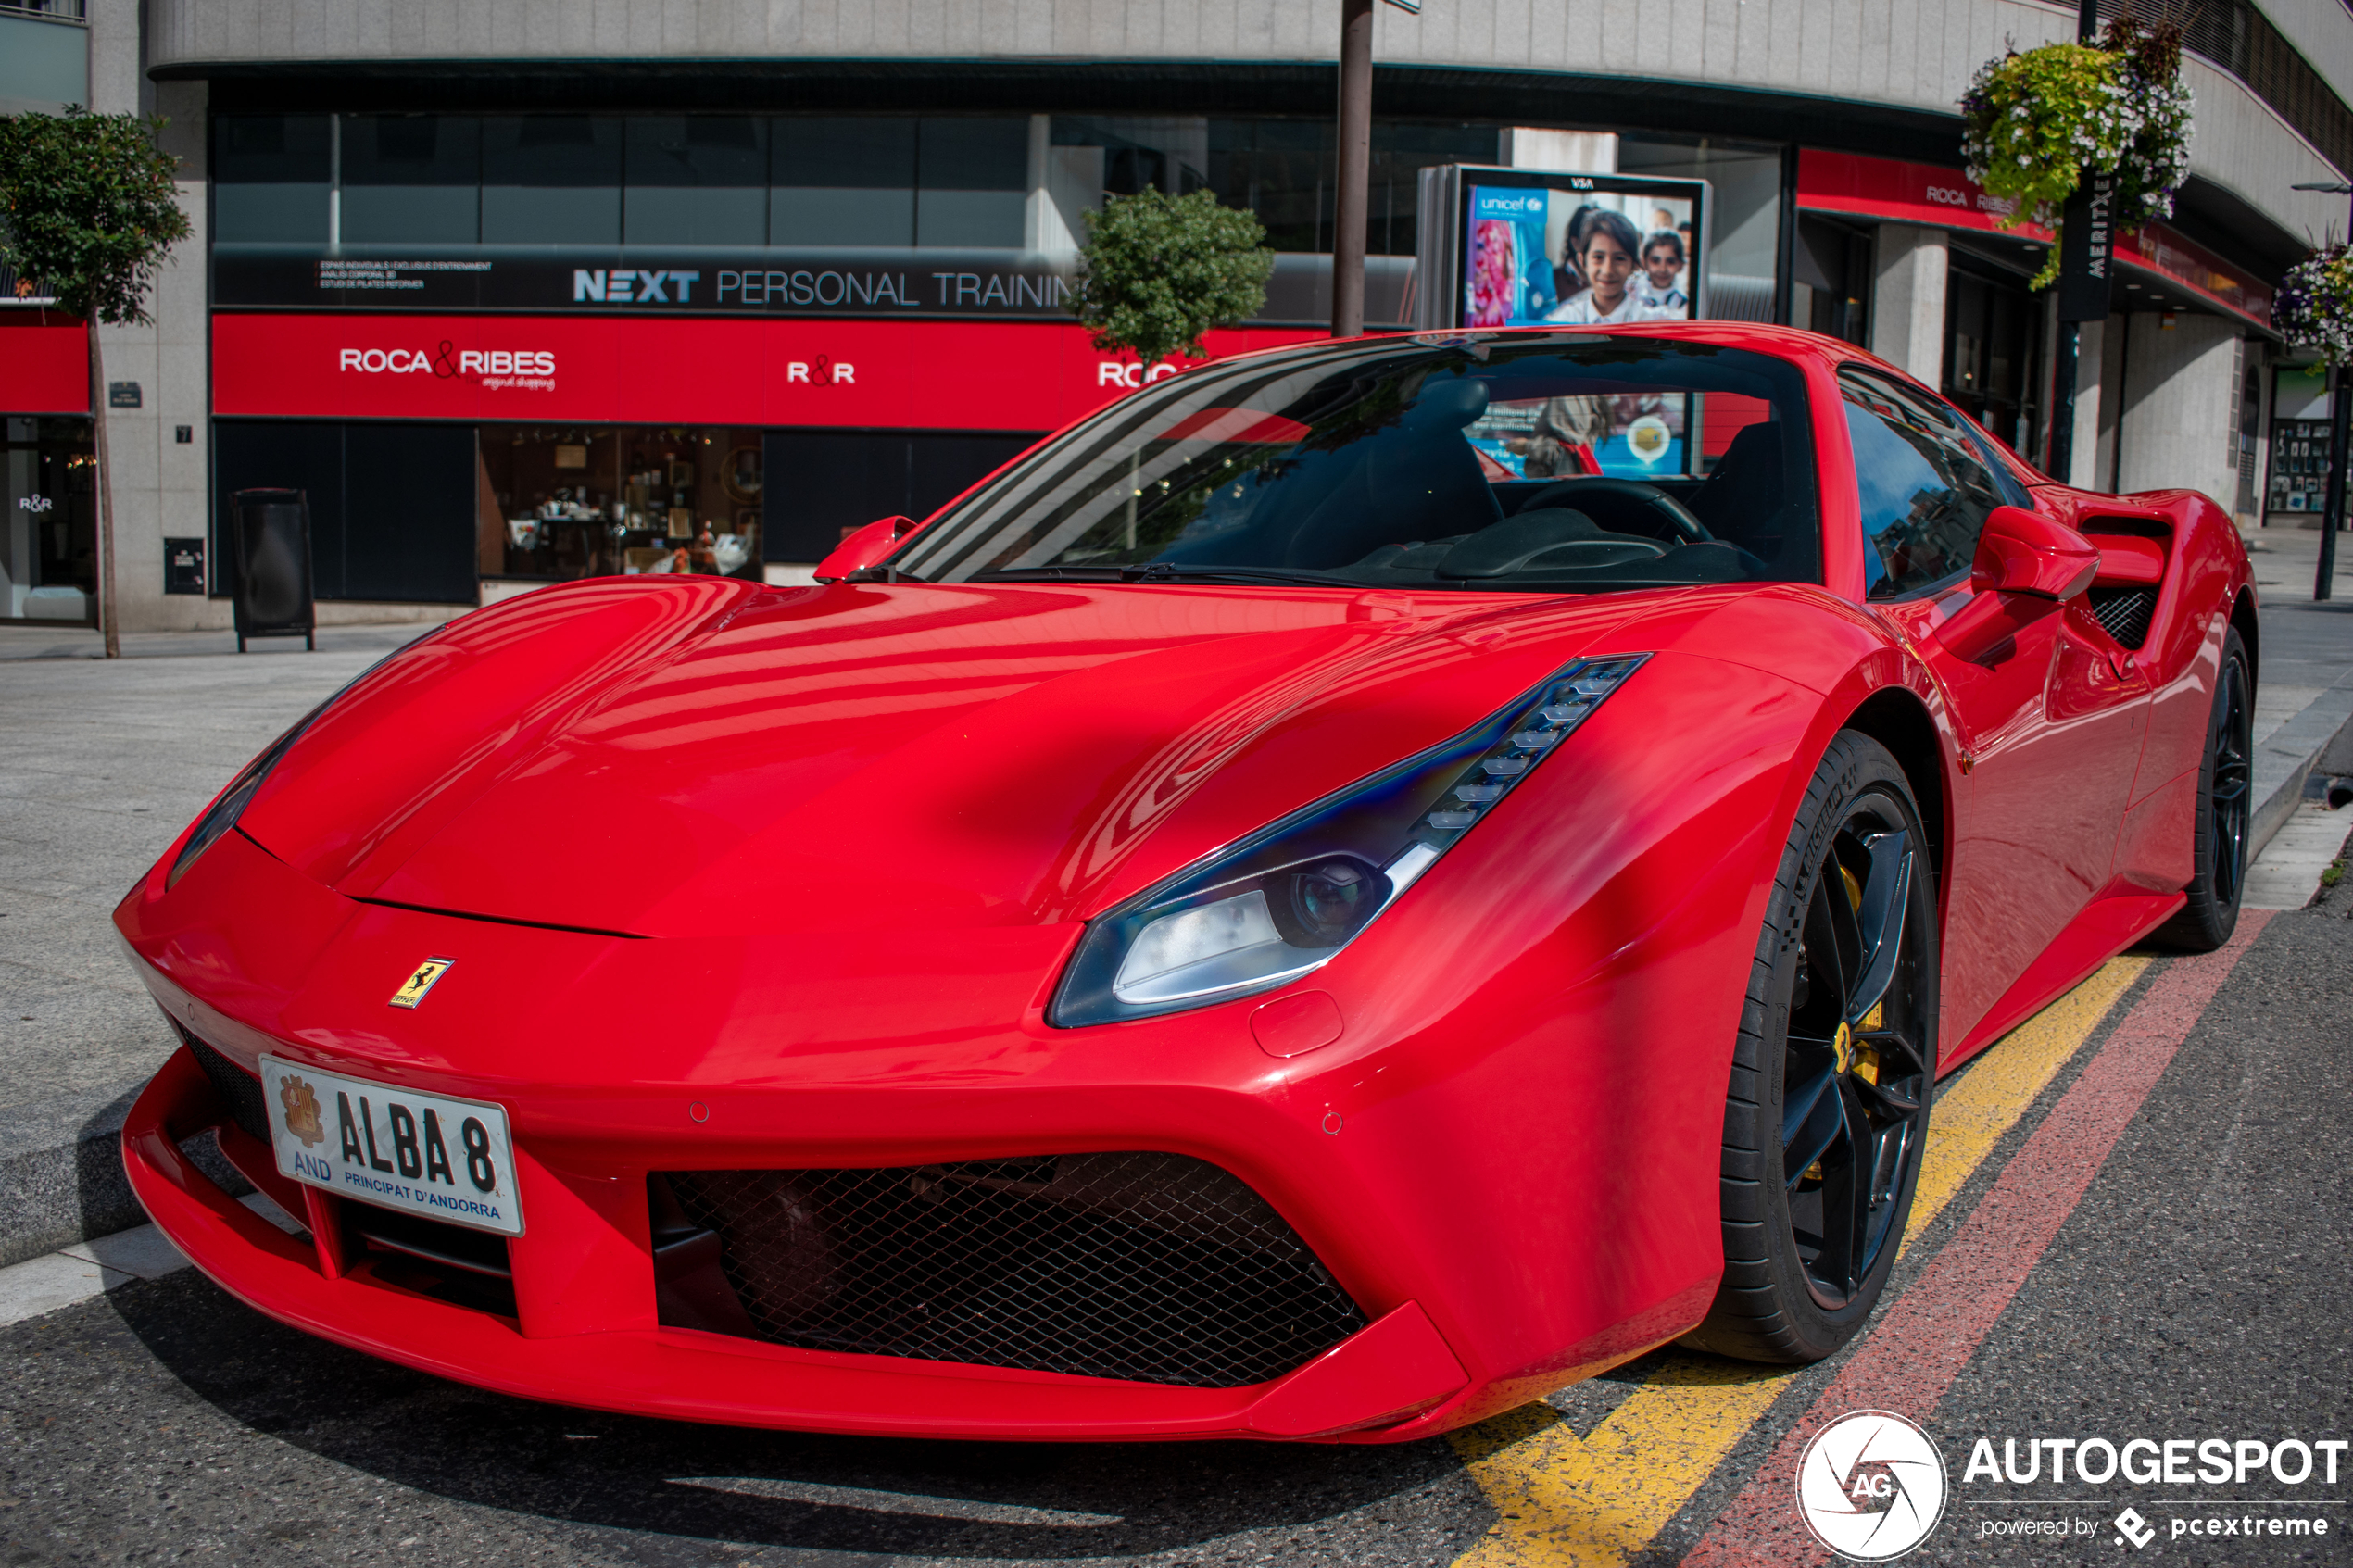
(76, 1190)
(2285, 757)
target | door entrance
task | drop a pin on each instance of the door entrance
(49, 539)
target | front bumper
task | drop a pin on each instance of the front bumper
(568, 1266)
(1512, 1198)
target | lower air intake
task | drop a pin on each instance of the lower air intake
(1153, 1268)
(239, 1088)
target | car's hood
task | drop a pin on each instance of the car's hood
(704, 758)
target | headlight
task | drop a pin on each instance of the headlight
(1287, 899)
(224, 812)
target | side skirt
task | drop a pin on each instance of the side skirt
(2104, 928)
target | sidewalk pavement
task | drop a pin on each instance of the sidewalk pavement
(2304, 679)
(108, 760)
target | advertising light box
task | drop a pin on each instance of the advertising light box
(1522, 247)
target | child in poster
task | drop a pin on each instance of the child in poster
(1663, 262)
(1606, 257)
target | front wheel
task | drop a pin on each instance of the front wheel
(1827, 1114)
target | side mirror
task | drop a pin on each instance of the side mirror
(2024, 552)
(2026, 566)
(865, 547)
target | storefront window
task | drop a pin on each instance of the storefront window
(843, 480)
(48, 551)
(1993, 333)
(1832, 290)
(391, 502)
(601, 501)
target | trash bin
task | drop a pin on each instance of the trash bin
(271, 552)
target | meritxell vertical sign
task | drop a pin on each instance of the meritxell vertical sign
(2087, 250)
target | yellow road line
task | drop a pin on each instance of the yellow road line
(1600, 1498)
(1596, 1500)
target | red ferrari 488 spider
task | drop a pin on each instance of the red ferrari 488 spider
(1347, 890)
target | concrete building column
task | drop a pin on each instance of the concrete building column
(2088, 474)
(160, 485)
(2179, 421)
(1908, 267)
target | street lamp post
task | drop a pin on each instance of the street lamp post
(2059, 453)
(1356, 166)
(2340, 421)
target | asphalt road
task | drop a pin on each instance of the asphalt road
(2197, 1285)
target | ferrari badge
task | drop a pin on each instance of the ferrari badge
(412, 990)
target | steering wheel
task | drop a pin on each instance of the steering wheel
(1676, 517)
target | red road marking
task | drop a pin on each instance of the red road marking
(1925, 1336)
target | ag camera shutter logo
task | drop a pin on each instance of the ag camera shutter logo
(1871, 1486)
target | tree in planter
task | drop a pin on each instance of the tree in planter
(87, 206)
(1157, 272)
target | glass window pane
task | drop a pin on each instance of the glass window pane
(552, 180)
(269, 179)
(842, 181)
(1744, 221)
(411, 178)
(973, 176)
(1925, 492)
(697, 180)
(563, 501)
(1399, 153)
(1281, 170)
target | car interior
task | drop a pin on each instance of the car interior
(1547, 466)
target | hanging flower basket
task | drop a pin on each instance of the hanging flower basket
(2037, 123)
(2314, 306)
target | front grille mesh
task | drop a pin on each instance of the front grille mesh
(239, 1088)
(1154, 1268)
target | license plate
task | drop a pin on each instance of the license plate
(424, 1154)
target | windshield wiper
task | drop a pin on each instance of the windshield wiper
(1053, 574)
(1164, 571)
(1169, 571)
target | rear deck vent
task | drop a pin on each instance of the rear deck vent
(1153, 1268)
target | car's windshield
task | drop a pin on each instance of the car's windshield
(1568, 462)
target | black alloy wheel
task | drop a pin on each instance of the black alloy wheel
(1826, 1119)
(2225, 803)
(1855, 1077)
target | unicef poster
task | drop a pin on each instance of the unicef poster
(1580, 250)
